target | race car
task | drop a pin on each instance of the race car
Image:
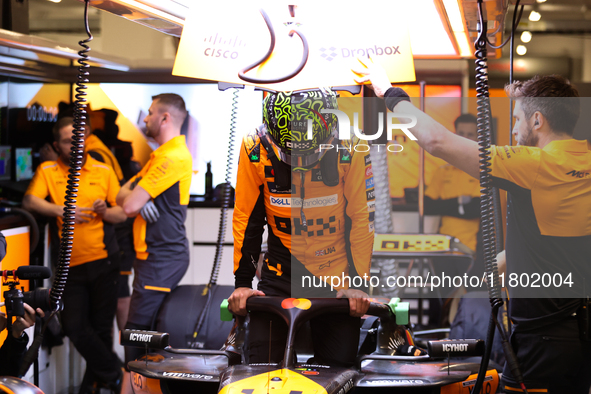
(396, 364)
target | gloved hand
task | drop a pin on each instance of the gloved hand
(149, 212)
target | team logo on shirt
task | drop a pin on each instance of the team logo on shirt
(371, 206)
(280, 201)
(368, 172)
(345, 157)
(578, 174)
(370, 194)
(367, 160)
(316, 175)
(324, 252)
(307, 203)
(325, 265)
(369, 183)
(274, 189)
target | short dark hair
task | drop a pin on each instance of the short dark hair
(60, 124)
(539, 94)
(175, 101)
(464, 118)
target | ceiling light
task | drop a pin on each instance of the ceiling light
(534, 16)
(540, 1)
(521, 50)
(526, 36)
(55, 1)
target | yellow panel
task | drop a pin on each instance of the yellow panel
(262, 384)
(411, 243)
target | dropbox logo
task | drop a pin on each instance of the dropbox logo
(328, 54)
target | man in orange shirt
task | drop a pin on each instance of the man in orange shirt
(90, 296)
(158, 197)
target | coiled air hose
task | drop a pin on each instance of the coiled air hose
(488, 200)
(242, 73)
(76, 160)
(226, 196)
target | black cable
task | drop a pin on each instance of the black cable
(511, 52)
(513, 27)
(487, 207)
(242, 73)
(76, 159)
(486, 204)
(226, 197)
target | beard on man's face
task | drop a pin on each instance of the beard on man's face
(528, 139)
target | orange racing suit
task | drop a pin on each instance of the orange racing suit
(327, 233)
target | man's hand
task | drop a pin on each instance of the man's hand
(149, 212)
(47, 153)
(26, 321)
(83, 215)
(237, 300)
(502, 263)
(358, 301)
(100, 207)
(375, 73)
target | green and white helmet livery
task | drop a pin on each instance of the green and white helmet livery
(286, 116)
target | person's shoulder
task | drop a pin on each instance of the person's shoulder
(95, 165)
(251, 139)
(516, 152)
(47, 165)
(251, 142)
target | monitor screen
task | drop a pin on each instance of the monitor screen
(5, 163)
(24, 164)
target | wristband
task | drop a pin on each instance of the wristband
(393, 96)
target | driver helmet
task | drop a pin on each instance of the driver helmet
(286, 117)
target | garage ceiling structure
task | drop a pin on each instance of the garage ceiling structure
(559, 37)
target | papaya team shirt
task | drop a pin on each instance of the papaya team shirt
(167, 179)
(97, 182)
(548, 227)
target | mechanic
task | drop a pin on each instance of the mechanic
(90, 295)
(319, 209)
(159, 193)
(123, 231)
(548, 220)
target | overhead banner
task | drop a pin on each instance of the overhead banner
(220, 39)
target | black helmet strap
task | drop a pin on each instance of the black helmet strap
(282, 173)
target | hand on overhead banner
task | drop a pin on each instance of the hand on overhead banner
(220, 40)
